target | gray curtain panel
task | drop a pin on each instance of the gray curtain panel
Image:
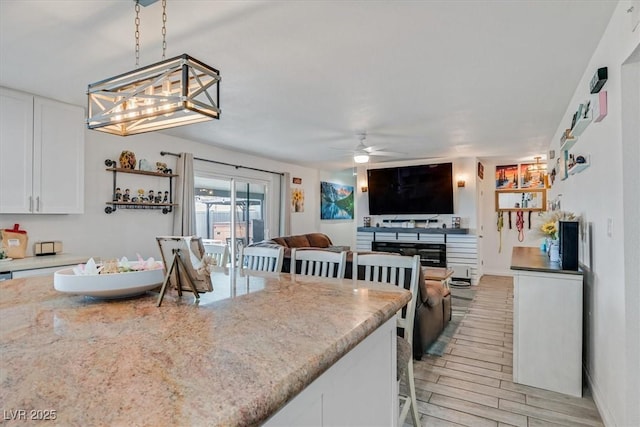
(184, 218)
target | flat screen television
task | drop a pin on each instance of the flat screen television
(422, 189)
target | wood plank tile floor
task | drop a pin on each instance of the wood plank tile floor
(471, 384)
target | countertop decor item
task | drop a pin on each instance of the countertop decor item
(127, 280)
(173, 92)
(14, 240)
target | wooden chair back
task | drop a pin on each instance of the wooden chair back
(402, 271)
(218, 252)
(318, 263)
(261, 259)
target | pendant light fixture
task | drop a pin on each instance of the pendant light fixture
(170, 93)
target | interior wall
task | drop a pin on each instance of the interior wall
(631, 193)
(497, 246)
(129, 232)
(599, 194)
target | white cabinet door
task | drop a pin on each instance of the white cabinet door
(16, 151)
(58, 183)
(41, 155)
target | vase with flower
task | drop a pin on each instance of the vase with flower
(550, 229)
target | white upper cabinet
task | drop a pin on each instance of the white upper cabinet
(16, 151)
(41, 155)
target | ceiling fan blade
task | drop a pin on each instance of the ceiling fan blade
(386, 153)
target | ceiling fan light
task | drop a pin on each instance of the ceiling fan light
(361, 157)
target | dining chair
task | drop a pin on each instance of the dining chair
(402, 271)
(218, 252)
(318, 263)
(261, 259)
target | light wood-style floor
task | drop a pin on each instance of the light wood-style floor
(471, 384)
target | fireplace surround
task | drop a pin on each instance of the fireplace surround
(431, 254)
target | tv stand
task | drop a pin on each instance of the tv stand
(418, 231)
(460, 246)
(431, 254)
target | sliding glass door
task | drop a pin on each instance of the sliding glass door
(219, 211)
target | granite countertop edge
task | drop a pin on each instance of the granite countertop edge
(299, 380)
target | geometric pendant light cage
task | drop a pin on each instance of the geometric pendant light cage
(170, 93)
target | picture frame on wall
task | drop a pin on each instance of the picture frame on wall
(532, 176)
(297, 200)
(507, 177)
(336, 201)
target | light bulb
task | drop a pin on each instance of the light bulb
(361, 158)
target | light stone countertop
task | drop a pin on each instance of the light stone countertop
(44, 261)
(233, 359)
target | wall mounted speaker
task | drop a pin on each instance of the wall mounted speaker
(598, 80)
(569, 245)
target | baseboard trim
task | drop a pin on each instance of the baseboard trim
(490, 272)
(605, 414)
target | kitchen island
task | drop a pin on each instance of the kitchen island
(236, 357)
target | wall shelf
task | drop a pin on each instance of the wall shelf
(579, 167)
(568, 143)
(166, 205)
(582, 123)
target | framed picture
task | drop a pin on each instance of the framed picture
(532, 176)
(190, 250)
(507, 177)
(297, 200)
(480, 170)
(336, 201)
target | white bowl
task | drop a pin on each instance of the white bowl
(119, 285)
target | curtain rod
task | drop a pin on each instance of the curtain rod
(167, 153)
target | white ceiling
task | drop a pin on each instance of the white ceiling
(301, 79)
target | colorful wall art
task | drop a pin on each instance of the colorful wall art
(336, 201)
(532, 175)
(506, 177)
(297, 200)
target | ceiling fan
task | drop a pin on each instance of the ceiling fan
(362, 152)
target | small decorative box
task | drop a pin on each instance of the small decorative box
(47, 248)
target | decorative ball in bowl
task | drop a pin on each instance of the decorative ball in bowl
(118, 285)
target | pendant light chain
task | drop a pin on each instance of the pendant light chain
(164, 28)
(137, 33)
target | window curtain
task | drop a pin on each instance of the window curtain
(285, 204)
(184, 218)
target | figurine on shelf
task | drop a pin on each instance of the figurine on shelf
(162, 167)
(140, 198)
(127, 160)
(126, 197)
(117, 197)
(158, 197)
(151, 197)
(166, 197)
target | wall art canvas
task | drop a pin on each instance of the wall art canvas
(336, 201)
(297, 200)
(507, 177)
(531, 176)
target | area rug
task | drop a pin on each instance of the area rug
(460, 301)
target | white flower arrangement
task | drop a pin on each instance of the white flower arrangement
(115, 266)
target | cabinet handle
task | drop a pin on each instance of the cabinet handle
(30, 203)
(38, 204)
